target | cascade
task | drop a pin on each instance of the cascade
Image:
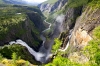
(43, 54)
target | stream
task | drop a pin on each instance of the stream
(44, 54)
(67, 45)
(49, 26)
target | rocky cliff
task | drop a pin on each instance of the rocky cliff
(25, 25)
(79, 25)
(84, 24)
(49, 7)
(83, 33)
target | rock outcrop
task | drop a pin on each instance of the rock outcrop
(70, 17)
(46, 7)
(26, 32)
(84, 26)
(26, 28)
(82, 32)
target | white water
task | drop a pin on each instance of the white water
(63, 50)
(43, 54)
(43, 49)
(37, 55)
(47, 28)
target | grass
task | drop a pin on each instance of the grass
(56, 45)
(94, 4)
(21, 53)
(92, 50)
(96, 32)
(77, 3)
(9, 18)
(50, 1)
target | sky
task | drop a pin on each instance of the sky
(34, 1)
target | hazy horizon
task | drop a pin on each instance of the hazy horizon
(34, 1)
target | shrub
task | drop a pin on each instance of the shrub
(57, 44)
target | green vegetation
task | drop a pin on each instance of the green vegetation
(93, 49)
(94, 4)
(14, 58)
(16, 51)
(15, 61)
(76, 3)
(9, 18)
(50, 1)
(1, 57)
(57, 44)
(96, 33)
(58, 61)
(13, 19)
(62, 61)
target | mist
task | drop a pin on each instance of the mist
(34, 1)
(60, 20)
(37, 55)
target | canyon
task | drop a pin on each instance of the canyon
(64, 32)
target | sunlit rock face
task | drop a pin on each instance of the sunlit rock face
(79, 40)
(82, 38)
(82, 32)
(78, 57)
(46, 7)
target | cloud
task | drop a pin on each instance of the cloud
(60, 18)
(34, 1)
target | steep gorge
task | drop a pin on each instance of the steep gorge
(26, 27)
(77, 33)
(80, 21)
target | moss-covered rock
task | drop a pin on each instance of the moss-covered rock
(16, 23)
(20, 51)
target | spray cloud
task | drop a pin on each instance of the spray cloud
(60, 20)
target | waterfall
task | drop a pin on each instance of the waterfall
(67, 45)
(37, 55)
(43, 54)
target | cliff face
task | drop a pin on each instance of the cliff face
(70, 17)
(81, 33)
(84, 26)
(68, 23)
(25, 26)
(38, 21)
(79, 23)
(46, 7)
(26, 32)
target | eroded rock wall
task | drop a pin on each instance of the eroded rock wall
(52, 7)
(82, 34)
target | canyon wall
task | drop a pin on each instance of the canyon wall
(47, 7)
(26, 28)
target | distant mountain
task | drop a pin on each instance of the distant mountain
(17, 2)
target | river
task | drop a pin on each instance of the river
(43, 54)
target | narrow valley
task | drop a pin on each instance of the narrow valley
(49, 33)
